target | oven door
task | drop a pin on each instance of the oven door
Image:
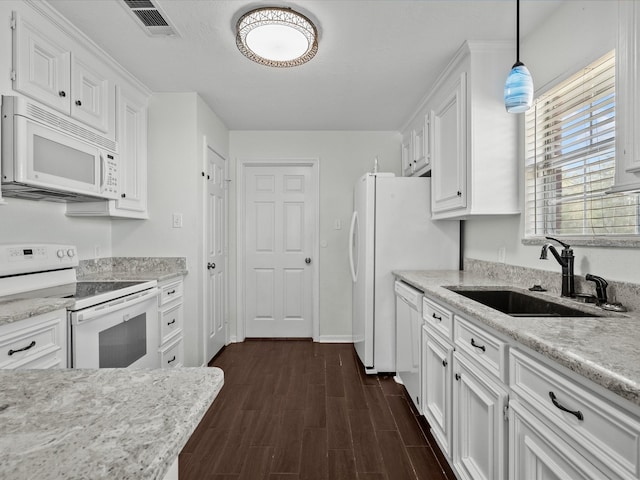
(121, 333)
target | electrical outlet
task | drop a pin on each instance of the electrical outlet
(176, 220)
(502, 254)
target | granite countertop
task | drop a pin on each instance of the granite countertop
(15, 310)
(603, 349)
(100, 424)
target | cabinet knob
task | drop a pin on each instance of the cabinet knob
(444, 363)
(211, 266)
(62, 93)
(78, 103)
(123, 195)
(459, 193)
(457, 376)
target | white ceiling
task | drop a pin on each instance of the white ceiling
(375, 62)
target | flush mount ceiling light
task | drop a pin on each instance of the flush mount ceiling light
(276, 37)
(518, 89)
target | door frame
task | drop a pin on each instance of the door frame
(206, 146)
(314, 164)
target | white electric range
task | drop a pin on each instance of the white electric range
(111, 324)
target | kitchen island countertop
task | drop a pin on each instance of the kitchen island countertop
(100, 424)
(603, 349)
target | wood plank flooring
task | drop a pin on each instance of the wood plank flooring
(298, 410)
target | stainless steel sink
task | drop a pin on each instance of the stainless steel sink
(518, 304)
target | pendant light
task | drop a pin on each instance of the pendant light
(518, 89)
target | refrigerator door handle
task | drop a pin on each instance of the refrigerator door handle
(354, 219)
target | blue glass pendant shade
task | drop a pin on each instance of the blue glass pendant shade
(518, 89)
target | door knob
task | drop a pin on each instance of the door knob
(211, 266)
(307, 260)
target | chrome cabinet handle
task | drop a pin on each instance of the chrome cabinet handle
(31, 345)
(577, 413)
(480, 347)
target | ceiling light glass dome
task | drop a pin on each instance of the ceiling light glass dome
(276, 37)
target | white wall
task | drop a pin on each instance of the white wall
(578, 33)
(343, 157)
(177, 124)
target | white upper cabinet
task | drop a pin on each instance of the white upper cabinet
(448, 124)
(48, 69)
(415, 146)
(627, 175)
(474, 156)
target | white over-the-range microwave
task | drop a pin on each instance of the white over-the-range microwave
(48, 156)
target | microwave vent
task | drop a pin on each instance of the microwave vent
(60, 122)
(151, 18)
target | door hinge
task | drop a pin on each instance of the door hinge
(13, 23)
(505, 410)
(13, 75)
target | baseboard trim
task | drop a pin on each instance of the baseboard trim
(335, 339)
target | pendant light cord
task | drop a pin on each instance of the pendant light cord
(517, 31)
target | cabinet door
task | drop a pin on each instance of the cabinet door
(449, 149)
(436, 387)
(92, 96)
(132, 141)
(407, 159)
(479, 426)
(41, 66)
(421, 145)
(536, 453)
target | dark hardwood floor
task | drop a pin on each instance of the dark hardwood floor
(298, 410)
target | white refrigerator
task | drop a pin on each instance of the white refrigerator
(391, 229)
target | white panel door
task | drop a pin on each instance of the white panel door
(279, 236)
(93, 96)
(215, 324)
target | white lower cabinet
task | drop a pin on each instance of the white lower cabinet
(437, 357)
(479, 422)
(537, 453)
(600, 436)
(170, 314)
(36, 342)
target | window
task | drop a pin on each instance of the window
(570, 159)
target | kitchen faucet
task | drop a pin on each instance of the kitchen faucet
(565, 259)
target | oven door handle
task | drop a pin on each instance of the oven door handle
(91, 313)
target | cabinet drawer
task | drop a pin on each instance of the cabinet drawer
(483, 347)
(27, 343)
(170, 292)
(170, 322)
(605, 431)
(437, 316)
(171, 354)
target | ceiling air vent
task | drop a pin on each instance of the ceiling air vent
(151, 18)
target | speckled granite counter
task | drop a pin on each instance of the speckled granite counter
(16, 310)
(132, 268)
(100, 424)
(602, 349)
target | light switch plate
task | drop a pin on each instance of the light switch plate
(177, 220)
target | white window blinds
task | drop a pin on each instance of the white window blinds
(570, 159)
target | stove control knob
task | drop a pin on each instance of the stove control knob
(60, 253)
(71, 253)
